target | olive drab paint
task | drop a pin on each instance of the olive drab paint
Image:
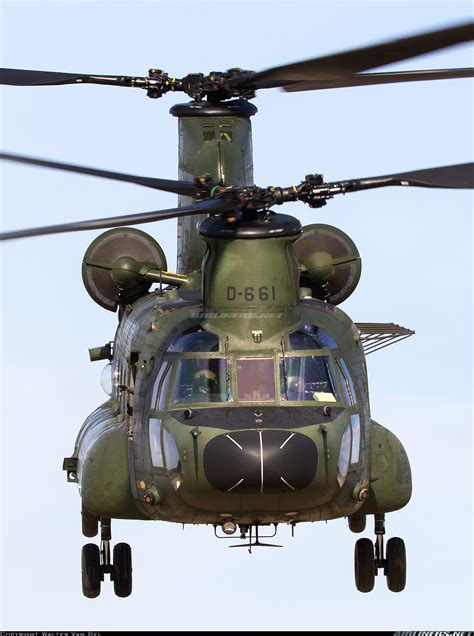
(237, 322)
(215, 140)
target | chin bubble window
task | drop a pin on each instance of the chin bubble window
(154, 433)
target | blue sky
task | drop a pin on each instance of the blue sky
(416, 248)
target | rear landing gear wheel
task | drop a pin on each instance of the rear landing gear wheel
(91, 570)
(122, 569)
(396, 564)
(364, 565)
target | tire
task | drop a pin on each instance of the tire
(122, 573)
(364, 565)
(396, 564)
(91, 572)
(357, 522)
(90, 523)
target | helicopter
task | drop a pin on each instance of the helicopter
(269, 301)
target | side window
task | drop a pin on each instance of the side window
(346, 381)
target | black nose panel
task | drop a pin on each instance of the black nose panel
(268, 461)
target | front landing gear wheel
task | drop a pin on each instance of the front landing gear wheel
(91, 571)
(122, 569)
(396, 564)
(364, 565)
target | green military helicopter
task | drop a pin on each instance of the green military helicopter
(238, 388)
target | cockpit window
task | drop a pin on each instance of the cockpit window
(197, 340)
(256, 379)
(307, 378)
(200, 380)
(311, 337)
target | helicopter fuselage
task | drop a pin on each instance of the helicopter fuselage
(244, 402)
(237, 396)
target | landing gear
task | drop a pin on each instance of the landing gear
(396, 568)
(369, 558)
(364, 565)
(96, 564)
(122, 574)
(91, 572)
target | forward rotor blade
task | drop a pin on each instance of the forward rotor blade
(457, 176)
(212, 206)
(339, 65)
(186, 188)
(367, 79)
(23, 77)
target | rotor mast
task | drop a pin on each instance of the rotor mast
(214, 138)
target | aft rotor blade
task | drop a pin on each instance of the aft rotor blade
(213, 206)
(367, 79)
(23, 77)
(185, 188)
(457, 176)
(339, 65)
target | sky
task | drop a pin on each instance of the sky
(416, 248)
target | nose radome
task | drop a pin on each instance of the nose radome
(266, 462)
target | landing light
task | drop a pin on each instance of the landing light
(229, 527)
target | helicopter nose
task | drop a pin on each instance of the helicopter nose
(264, 462)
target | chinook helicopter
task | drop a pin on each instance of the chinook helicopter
(238, 387)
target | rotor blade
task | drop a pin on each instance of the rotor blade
(213, 206)
(23, 77)
(457, 176)
(339, 65)
(367, 79)
(186, 188)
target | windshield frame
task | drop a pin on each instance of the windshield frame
(231, 360)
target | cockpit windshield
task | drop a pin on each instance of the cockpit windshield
(200, 380)
(307, 378)
(195, 340)
(195, 370)
(256, 379)
(311, 337)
